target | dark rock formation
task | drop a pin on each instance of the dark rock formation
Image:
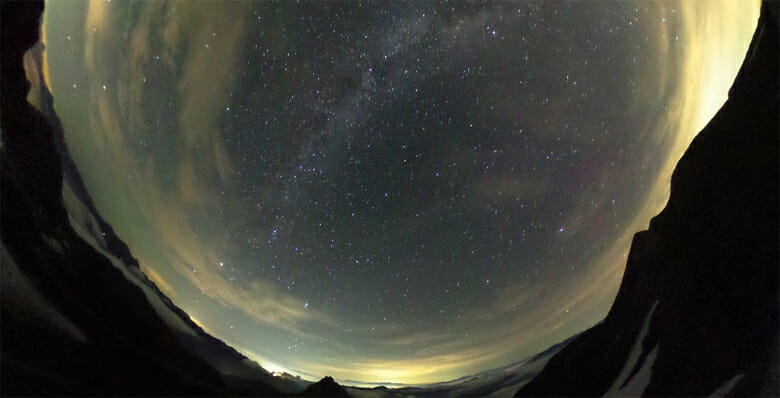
(697, 311)
(327, 387)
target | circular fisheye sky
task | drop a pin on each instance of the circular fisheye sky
(387, 192)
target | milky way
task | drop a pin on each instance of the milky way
(401, 192)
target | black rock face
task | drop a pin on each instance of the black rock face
(698, 305)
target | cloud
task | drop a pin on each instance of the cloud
(199, 263)
(199, 45)
(204, 87)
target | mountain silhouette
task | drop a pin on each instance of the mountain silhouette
(327, 387)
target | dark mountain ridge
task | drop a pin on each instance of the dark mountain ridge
(697, 311)
(327, 387)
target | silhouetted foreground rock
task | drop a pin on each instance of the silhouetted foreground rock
(327, 387)
(697, 312)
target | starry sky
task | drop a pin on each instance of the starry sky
(387, 192)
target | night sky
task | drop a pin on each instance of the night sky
(388, 192)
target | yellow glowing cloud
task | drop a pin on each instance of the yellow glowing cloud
(158, 280)
(714, 38)
(45, 66)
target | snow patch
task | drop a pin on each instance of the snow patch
(726, 388)
(637, 385)
(633, 359)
